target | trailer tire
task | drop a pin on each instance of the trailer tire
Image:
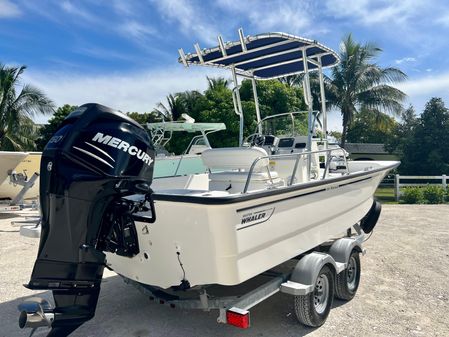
(347, 282)
(312, 309)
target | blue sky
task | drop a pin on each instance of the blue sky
(123, 53)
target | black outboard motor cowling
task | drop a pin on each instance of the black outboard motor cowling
(96, 158)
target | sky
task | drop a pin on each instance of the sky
(123, 53)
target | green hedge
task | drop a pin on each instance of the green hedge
(412, 195)
(430, 194)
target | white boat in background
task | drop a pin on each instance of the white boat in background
(168, 165)
(28, 164)
(274, 201)
(8, 162)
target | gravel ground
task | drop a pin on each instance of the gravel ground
(404, 290)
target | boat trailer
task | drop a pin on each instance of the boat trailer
(299, 277)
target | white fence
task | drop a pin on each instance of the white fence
(398, 184)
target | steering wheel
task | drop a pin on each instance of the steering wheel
(258, 140)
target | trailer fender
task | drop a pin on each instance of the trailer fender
(341, 251)
(304, 275)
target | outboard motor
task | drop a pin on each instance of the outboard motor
(96, 160)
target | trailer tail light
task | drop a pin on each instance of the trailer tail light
(238, 317)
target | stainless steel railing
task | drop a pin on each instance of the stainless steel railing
(298, 155)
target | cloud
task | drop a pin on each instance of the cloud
(139, 91)
(190, 17)
(137, 30)
(443, 19)
(104, 53)
(9, 9)
(78, 11)
(405, 59)
(368, 12)
(420, 90)
(296, 17)
(428, 85)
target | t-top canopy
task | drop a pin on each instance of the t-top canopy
(264, 56)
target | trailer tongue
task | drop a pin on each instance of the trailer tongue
(96, 158)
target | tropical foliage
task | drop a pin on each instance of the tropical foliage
(18, 104)
(367, 127)
(357, 82)
(48, 130)
(422, 141)
(215, 105)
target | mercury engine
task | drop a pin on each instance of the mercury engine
(96, 173)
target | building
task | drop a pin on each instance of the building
(367, 151)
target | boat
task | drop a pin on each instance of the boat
(189, 162)
(251, 211)
(8, 162)
(27, 166)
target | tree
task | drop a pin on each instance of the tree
(358, 82)
(144, 118)
(48, 130)
(17, 130)
(425, 152)
(336, 135)
(402, 133)
(371, 128)
(215, 105)
(173, 109)
(217, 82)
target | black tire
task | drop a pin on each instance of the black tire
(306, 308)
(347, 282)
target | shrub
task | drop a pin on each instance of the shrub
(434, 194)
(412, 195)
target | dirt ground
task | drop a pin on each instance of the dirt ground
(404, 290)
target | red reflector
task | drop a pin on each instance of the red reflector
(239, 319)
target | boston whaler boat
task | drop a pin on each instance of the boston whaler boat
(253, 214)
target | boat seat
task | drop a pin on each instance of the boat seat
(235, 158)
(235, 164)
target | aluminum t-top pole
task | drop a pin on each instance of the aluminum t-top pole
(307, 95)
(309, 102)
(256, 102)
(323, 101)
(237, 104)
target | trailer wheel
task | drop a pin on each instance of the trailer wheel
(347, 282)
(312, 309)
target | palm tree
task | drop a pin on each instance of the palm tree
(17, 130)
(173, 109)
(292, 80)
(217, 83)
(357, 82)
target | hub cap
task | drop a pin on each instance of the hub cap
(351, 273)
(321, 293)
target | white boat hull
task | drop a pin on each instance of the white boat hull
(28, 163)
(216, 247)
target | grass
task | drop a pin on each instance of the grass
(385, 195)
